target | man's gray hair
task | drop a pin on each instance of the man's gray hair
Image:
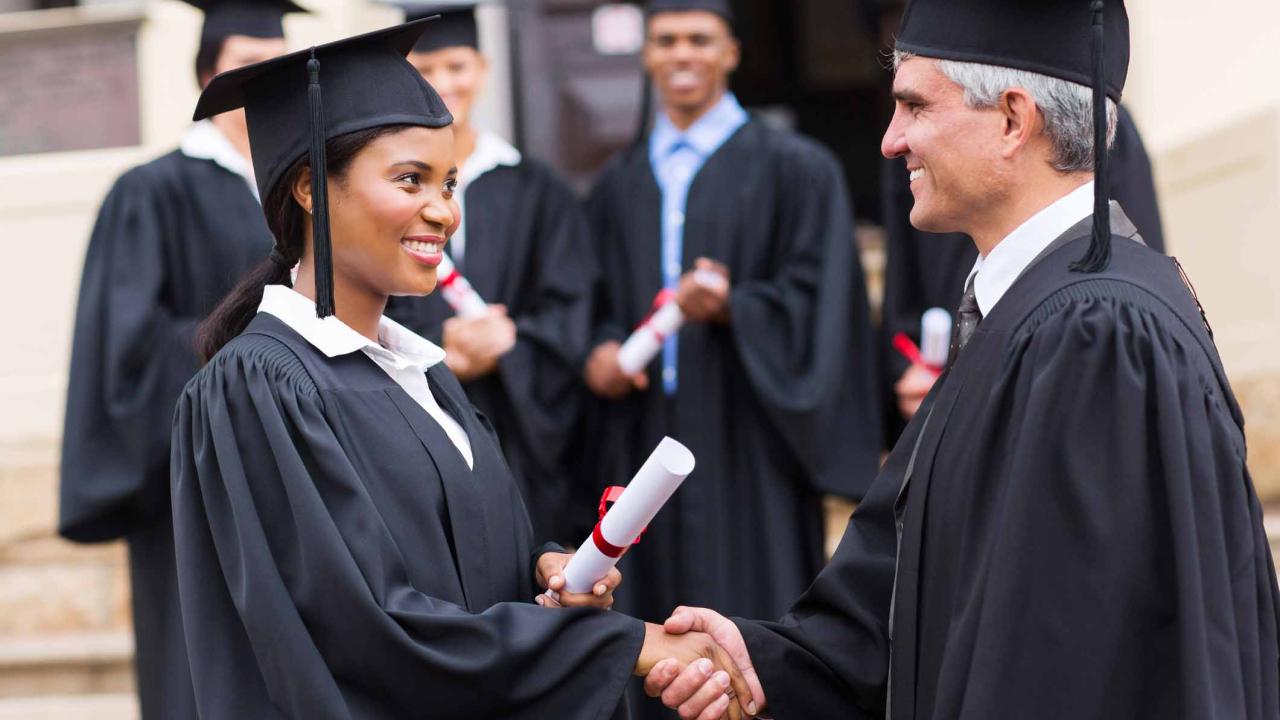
(1067, 106)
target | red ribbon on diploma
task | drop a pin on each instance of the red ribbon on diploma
(610, 496)
(659, 300)
(606, 549)
(450, 278)
(903, 344)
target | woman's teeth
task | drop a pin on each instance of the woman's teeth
(917, 174)
(423, 247)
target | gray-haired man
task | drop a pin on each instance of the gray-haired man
(1067, 529)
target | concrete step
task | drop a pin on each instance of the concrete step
(120, 706)
(64, 665)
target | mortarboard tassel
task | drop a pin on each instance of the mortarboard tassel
(319, 194)
(1099, 255)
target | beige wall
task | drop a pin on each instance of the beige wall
(1204, 90)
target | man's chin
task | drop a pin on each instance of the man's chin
(924, 220)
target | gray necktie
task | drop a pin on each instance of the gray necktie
(967, 319)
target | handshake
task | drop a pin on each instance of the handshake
(697, 663)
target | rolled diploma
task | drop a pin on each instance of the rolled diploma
(659, 477)
(935, 337)
(646, 342)
(463, 298)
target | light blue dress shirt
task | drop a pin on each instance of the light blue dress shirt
(676, 158)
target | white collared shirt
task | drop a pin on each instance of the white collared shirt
(204, 141)
(401, 353)
(490, 153)
(996, 272)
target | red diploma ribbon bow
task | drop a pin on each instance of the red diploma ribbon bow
(659, 300)
(903, 344)
(609, 497)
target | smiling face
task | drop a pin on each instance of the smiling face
(956, 154)
(457, 73)
(391, 212)
(690, 55)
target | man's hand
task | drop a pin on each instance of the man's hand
(703, 293)
(721, 679)
(685, 687)
(605, 377)
(550, 576)
(473, 346)
(911, 388)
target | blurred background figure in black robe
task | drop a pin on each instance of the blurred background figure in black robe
(173, 236)
(350, 542)
(522, 245)
(1067, 529)
(927, 270)
(770, 382)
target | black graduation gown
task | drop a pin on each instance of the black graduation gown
(526, 248)
(925, 270)
(777, 406)
(338, 559)
(1080, 537)
(172, 238)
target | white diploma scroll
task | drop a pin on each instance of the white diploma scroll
(463, 298)
(659, 477)
(935, 337)
(646, 342)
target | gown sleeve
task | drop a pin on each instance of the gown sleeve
(829, 655)
(295, 598)
(541, 373)
(131, 356)
(1124, 570)
(804, 334)
(600, 217)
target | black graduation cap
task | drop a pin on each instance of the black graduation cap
(1082, 41)
(255, 18)
(719, 7)
(366, 83)
(456, 27)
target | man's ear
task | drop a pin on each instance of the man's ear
(735, 54)
(301, 189)
(1022, 119)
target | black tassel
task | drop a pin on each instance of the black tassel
(319, 194)
(1099, 255)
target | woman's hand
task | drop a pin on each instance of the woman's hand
(550, 576)
(473, 346)
(699, 651)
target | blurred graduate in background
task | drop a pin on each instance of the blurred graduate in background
(173, 236)
(522, 245)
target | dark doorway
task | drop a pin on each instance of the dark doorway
(811, 65)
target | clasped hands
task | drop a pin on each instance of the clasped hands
(697, 664)
(473, 346)
(703, 297)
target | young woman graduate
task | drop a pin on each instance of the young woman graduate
(522, 243)
(350, 542)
